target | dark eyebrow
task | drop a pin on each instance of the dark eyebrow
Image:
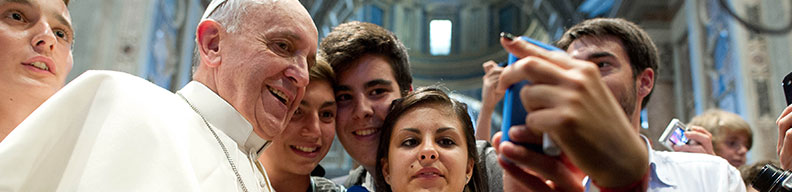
(414, 130)
(598, 55)
(376, 82)
(443, 129)
(327, 104)
(341, 88)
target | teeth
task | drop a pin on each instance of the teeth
(40, 65)
(365, 132)
(305, 149)
(280, 95)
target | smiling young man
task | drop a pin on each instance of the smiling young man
(37, 37)
(372, 70)
(107, 131)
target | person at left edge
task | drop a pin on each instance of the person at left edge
(110, 131)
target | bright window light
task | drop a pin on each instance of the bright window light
(440, 37)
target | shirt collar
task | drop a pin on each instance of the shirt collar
(657, 173)
(222, 116)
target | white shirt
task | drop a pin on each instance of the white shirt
(682, 171)
(111, 131)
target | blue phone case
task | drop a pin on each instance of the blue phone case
(513, 111)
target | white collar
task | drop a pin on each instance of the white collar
(657, 173)
(222, 116)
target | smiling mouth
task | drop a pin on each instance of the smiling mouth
(39, 65)
(305, 149)
(365, 132)
(278, 94)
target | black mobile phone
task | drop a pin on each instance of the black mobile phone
(787, 84)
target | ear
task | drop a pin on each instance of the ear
(645, 82)
(469, 170)
(208, 37)
(385, 170)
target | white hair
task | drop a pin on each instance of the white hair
(230, 13)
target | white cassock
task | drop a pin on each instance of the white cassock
(111, 131)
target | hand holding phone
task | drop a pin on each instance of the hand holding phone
(674, 134)
(513, 111)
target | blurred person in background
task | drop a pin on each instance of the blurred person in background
(720, 133)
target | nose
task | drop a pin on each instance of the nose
(298, 73)
(428, 154)
(363, 108)
(44, 39)
(311, 126)
(742, 150)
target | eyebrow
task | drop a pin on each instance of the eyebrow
(598, 55)
(444, 129)
(327, 104)
(414, 130)
(376, 82)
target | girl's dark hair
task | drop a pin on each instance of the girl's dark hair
(422, 98)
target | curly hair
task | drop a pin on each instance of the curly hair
(350, 41)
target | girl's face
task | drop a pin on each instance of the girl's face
(428, 151)
(733, 147)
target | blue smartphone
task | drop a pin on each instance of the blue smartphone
(513, 111)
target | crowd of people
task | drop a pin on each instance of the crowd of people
(267, 100)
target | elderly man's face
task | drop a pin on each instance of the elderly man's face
(265, 64)
(36, 36)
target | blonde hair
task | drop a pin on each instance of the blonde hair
(718, 122)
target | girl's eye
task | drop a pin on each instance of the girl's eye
(409, 142)
(446, 142)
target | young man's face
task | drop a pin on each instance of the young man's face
(364, 93)
(614, 64)
(264, 66)
(308, 136)
(36, 36)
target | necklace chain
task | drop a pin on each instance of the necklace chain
(230, 161)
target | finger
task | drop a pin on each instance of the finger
(541, 96)
(699, 137)
(785, 153)
(547, 167)
(496, 140)
(700, 130)
(488, 65)
(784, 122)
(522, 49)
(533, 69)
(521, 134)
(514, 173)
